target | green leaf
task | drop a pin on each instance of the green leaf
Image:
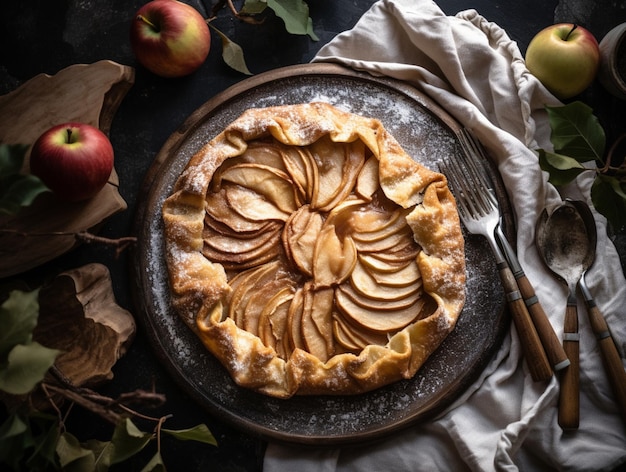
(14, 434)
(155, 465)
(74, 457)
(576, 132)
(253, 7)
(103, 451)
(44, 453)
(232, 53)
(11, 159)
(562, 169)
(127, 441)
(18, 318)
(20, 191)
(26, 367)
(198, 433)
(14, 439)
(29, 442)
(295, 14)
(609, 198)
(16, 190)
(13, 426)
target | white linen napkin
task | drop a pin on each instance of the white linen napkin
(504, 421)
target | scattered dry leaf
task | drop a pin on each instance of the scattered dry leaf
(80, 316)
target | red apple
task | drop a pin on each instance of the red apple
(74, 160)
(170, 38)
(565, 58)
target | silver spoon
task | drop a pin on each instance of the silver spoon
(611, 359)
(561, 238)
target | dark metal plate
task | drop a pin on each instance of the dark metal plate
(427, 133)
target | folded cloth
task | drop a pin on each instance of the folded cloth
(504, 421)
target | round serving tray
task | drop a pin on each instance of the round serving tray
(428, 134)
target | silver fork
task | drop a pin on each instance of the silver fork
(477, 159)
(480, 216)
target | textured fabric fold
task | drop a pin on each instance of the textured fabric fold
(504, 421)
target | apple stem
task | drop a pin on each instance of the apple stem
(570, 32)
(69, 139)
(148, 22)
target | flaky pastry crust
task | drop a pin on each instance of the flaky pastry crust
(201, 291)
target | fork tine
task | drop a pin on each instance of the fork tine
(472, 194)
(475, 158)
(459, 190)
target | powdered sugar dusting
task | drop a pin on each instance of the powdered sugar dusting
(398, 114)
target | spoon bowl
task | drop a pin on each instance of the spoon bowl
(563, 241)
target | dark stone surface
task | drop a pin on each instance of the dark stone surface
(598, 16)
(44, 36)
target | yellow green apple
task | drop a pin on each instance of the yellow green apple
(565, 58)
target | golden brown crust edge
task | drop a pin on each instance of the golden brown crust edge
(199, 286)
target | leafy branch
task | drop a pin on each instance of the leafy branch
(31, 385)
(294, 14)
(580, 146)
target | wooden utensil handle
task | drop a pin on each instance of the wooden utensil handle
(610, 356)
(569, 394)
(553, 347)
(531, 344)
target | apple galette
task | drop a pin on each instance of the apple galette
(311, 254)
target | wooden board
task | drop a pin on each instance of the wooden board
(88, 93)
